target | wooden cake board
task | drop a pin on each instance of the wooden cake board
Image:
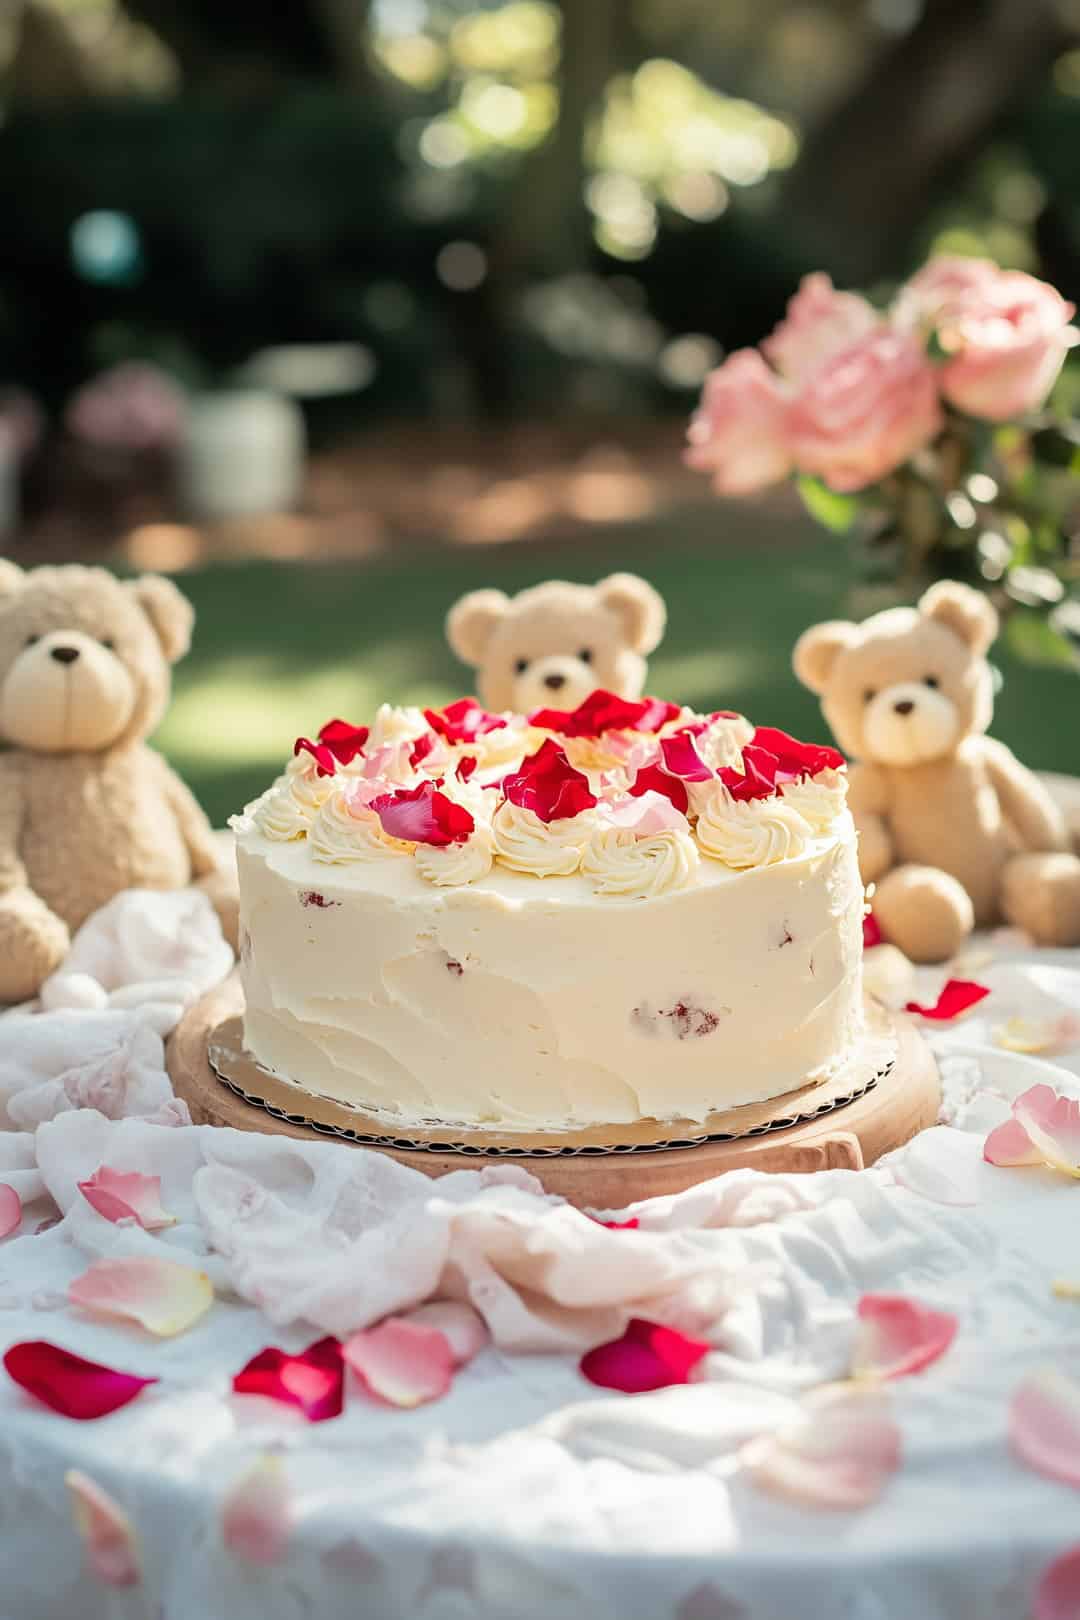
(901, 1100)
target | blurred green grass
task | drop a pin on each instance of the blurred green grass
(281, 647)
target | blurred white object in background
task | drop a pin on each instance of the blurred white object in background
(9, 481)
(243, 455)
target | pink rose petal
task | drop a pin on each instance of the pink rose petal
(956, 997)
(463, 1328)
(313, 1379)
(1044, 1426)
(10, 1210)
(126, 1195)
(111, 1551)
(402, 1363)
(68, 1384)
(682, 759)
(163, 1297)
(841, 1454)
(256, 1514)
(423, 815)
(898, 1336)
(1009, 1145)
(644, 815)
(1052, 1124)
(1057, 1596)
(647, 1356)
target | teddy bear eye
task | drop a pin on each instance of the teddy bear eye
(521, 665)
(869, 695)
(31, 640)
(585, 655)
(931, 680)
(108, 643)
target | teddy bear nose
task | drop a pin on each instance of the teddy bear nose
(905, 706)
(65, 655)
(554, 681)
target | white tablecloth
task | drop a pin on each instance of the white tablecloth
(527, 1492)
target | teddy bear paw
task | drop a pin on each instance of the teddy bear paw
(924, 911)
(1041, 895)
(33, 943)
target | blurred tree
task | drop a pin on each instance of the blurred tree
(216, 42)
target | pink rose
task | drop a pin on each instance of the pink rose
(1008, 338)
(865, 411)
(738, 432)
(820, 323)
(937, 287)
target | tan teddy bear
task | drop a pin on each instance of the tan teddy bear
(86, 808)
(554, 644)
(954, 832)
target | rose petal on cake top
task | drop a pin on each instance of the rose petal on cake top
(647, 1356)
(68, 1383)
(106, 1532)
(682, 759)
(125, 1195)
(343, 740)
(466, 767)
(463, 721)
(464, 1329)
(644, 815)
(312, 1380)
(795, 759)
(603, 711)
(957, 996)
(10, 1210)
(321, 753)
(423, 815)
(402, 1363)
(871, 931)
(547, 784)
(421, 748)
(898, 1336)
(162, 1296)
(654, 779)
(756, 780)
(840, 1454)
(256, 1513)
(1057, 1596)
(1044, 1425)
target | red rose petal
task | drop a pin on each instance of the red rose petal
(653, 779)
(547, 784)
(956, 997)
(871, 931)
(682, 758)
(313, 1380)
(466, 767)
(617, 1226)
(795, 759)
(321, 753)
(463, 721)
(423, 815)
(604, 711)
(10, 1210)
(343, 740)
(648, 1356)
(1057, 1596)
(756, 780)
(898, 1336)
(422, 748)
(69, 1384)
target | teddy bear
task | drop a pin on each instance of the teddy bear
(86, 808)
(554, 644)
(954, 833)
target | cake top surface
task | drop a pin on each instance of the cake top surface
(632, 795)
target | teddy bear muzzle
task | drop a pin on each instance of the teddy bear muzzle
(66, 692)
(558, 681)
(908, 723)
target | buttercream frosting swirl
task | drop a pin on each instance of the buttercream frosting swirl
(395, 725)
(618, 862)
(819, 799)
(524, 843)
(341, 834)
(288, 809)
(723, 740)
(760, 832)
(456, 864)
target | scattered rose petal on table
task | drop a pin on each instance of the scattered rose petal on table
(126, 1195)
(256, 1513)
(464, 1329)
(69, 1384)
(898, 1336)
(1044, 1129)
(312, 1380)
(871, 931)
(956, 997)
(616, 1226)
(10, 1210)
(106, 1532)
(1057, 1596)
(1044, 1425)
(162, 1296)
(1036, 1035)
(403, 1363)
(1065, 1288)
(841, 1453)
(647, 1356)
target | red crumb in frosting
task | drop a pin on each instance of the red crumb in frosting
(312, 897)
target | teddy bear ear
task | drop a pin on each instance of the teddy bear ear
(817, 650)
(639, 609)
(966, 612)
(170, 613)
(11, 578)
(471, 623)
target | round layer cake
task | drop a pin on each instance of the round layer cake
(538, 924)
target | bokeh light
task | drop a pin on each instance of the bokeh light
(106, 247)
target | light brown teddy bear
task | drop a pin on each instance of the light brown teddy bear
(554, 644)
(86, 808)
(954, 832)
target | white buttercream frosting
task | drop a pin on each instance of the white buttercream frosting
(619, 862)
(759, 832)
(343, 832)
(451, 865)
(524, 843)
(723, 740)
(819, 799)
(292, 804)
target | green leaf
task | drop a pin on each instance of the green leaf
(826, 506)
(1030, 638)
